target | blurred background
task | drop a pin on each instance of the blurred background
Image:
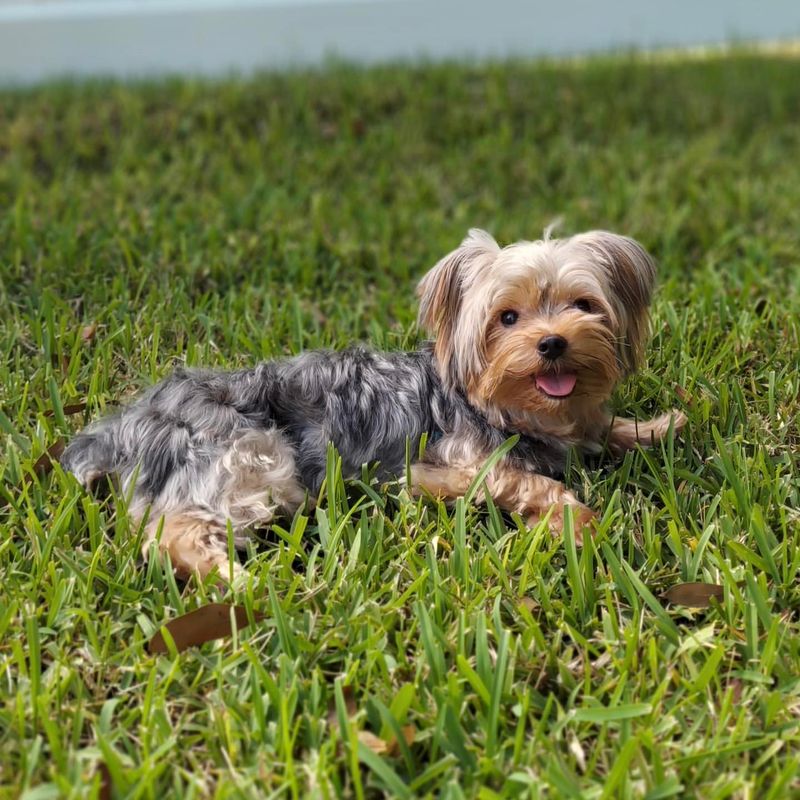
(51, 38)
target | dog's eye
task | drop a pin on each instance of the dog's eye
(583, 305)
(508, 318)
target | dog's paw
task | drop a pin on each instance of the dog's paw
(87, 477)
(627, 434)
(658, 429)
(583, 521)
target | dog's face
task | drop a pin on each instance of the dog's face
(546, 327)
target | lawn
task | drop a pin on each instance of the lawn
(219, 223)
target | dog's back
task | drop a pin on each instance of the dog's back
(173, 440)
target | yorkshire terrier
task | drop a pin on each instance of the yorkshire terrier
(529, 339)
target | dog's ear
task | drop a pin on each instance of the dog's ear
(441, 292)
(631, 274)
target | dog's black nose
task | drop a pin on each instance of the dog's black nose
(552, 346)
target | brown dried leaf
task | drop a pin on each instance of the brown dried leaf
(106, 784)
(349, 695)
(44, 464)
(88, 333)
(349, 703)
(529, 603)
(202, 625)
(367, 738)
(373, 742)
(694, 595)
(685, 397)
(387, 748)
(736, 687)
(409, 735)
(72, 408)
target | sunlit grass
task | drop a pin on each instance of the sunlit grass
(222, 223)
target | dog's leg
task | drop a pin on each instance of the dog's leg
(444, 482)
(533, 496)
(256, 479)
(252, 480)
(196, 541)
(625, 434)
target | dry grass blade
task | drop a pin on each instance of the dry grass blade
(202, 625)
(387, 747)
(684, 395)
(695, 595)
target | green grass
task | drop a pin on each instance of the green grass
(222, 223)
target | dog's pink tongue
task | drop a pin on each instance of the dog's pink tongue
(556, 385)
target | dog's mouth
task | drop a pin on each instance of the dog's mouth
(557, 386)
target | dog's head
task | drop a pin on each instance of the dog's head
(546, 327)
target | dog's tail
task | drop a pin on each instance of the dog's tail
(144, 440)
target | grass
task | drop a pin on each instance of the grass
(222, 223)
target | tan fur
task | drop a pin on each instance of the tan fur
(513, 360)
(195, 544)
(259, 478)
(462, 301)
(532, 496)
(626, 434)
(461, 296)
(256, 479)
(441, 292)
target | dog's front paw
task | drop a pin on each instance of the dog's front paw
(658, 429)
(626, 434)
(583, 520)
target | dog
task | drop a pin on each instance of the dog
(528, 340)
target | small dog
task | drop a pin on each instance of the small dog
(529, 339)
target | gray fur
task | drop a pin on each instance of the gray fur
(173, 440)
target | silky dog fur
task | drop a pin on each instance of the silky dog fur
(528, 339)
